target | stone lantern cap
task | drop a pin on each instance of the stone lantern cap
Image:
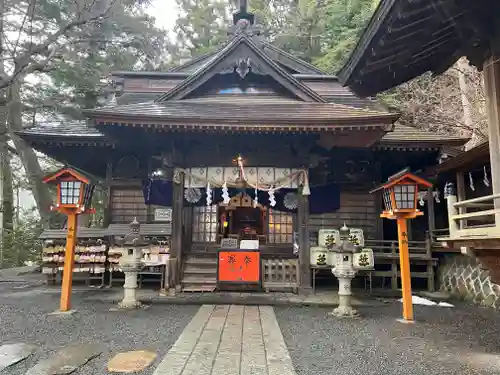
(345, 246)
(344, 233)
(133, 238)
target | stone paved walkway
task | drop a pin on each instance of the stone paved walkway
(229, 340)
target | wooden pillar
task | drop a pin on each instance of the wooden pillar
(304, 251)
(461, 196)
(107, 192)
(176, 241)
(409, 231)
(379, 223)
(431, 215)
(379, 205)
(492, 89)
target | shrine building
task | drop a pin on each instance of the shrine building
(246, 142)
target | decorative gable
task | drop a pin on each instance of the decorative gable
(244, 59)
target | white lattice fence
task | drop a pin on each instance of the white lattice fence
(280, 274)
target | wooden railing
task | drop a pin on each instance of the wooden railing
(473, 217)
(386, 252)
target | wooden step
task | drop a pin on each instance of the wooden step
(201, 261)
(200, 273)
(203, 271)
(198, 288)
(199, 279)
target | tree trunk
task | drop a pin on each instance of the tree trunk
(463, 67)
(28, 156)
(7, 194)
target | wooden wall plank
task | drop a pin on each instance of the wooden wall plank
(357, 210)
(127, 203)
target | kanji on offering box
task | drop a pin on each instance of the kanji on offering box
(241, 266)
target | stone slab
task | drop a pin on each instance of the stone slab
(277, 355)
(203, 355)
(132, 361)
(11, 354)
(228, 358)
(66, 360)
(327, 299)
(177, 357)
(229, 340)
(63, 313)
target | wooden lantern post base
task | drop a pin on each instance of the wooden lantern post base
(69, 262)
(404, 260)
(69, 255)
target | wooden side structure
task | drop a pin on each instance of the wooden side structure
(405, 39)
(247, 98)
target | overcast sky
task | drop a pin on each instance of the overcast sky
(165, 13)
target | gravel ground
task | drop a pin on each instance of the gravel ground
(23, 317)
(460, 340)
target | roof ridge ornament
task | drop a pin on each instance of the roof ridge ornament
(243, 14)
(244, 22)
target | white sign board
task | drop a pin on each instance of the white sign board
(249, 244)
(163, 214)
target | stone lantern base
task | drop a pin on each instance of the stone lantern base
(129, 300)
(345, 309)
(128, 305)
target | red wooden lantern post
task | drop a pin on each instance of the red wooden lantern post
(74, 194)
(400, 194)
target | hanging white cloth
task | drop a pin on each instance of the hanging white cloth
(471, 182)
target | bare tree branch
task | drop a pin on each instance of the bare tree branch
(22, 62)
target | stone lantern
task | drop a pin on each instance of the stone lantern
(130, 263)
(347, 259)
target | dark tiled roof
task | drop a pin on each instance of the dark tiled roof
(194, 64)
(452, 151)
(330, 88)
(277, 54)
(401, 134)
(474, 157)
(287, 59)
(63, 129)
(326, 86)
(156, 229)
(406, 38)
(137, 97)
(256, 109)
(82, 232)
(407, 134)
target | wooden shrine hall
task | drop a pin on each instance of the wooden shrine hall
(246, 142)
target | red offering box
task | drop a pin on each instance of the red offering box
(239, 266)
